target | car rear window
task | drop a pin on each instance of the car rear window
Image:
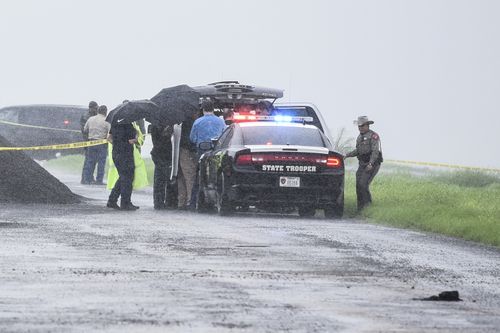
(282, 135)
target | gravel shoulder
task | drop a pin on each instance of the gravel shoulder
(83, 267)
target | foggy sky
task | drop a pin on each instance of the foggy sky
(427, 72)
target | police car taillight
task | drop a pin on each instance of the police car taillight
(333, 162)
(261, 158)
(244, 159)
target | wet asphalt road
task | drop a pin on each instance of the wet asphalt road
(84, 268)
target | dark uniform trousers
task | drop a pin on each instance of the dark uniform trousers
(368, 151)
(363, 180)
(164, 195)
(160, 182)
(123, 187)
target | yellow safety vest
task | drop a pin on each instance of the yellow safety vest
(140, 173)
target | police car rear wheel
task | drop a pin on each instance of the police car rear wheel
(307, 211)
(224, 206)
(334, 212)
(201, 203)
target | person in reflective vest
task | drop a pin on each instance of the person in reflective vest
(127, 170)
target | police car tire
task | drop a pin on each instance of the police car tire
(224, 206)
(307, 211)
(201, 204)
(334, 211)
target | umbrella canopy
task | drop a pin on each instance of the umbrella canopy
(176, 104)
(131, 111)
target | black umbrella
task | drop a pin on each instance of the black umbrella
(131, 111)
(176, 104)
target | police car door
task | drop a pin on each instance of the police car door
(218, 153)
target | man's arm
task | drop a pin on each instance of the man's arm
(86, 128)
(375, 148)
(352, 153)
(194, 133)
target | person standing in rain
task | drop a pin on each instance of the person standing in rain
(97, 128)
(164, 195)
(187, 166)
(204, 129)
(123, 138)
(83, 120)
(369, 153)
(207, 127)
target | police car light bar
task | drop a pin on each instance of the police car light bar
(278, 118)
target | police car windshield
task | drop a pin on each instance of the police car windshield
(282, 135)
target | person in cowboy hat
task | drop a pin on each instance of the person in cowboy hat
(369, 153)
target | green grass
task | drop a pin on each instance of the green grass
(74, 163)
(459, 204)
(462, 204)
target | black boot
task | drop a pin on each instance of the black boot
(113, 205)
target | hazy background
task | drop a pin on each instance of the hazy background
(427, 72)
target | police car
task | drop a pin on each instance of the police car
(271, 161)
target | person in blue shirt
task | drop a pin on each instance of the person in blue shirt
(204, 129)
(207, 127)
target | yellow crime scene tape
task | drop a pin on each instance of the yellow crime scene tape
(444, 165)
(38, 127)
(72, 145)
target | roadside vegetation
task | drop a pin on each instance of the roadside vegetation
(74, 163)
(464, 204)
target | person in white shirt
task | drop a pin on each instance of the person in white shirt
(97, 128)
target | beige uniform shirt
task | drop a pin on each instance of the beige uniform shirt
(97, 127)
(368, 148)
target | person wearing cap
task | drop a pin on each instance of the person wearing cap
(93, 106)
(369, 153)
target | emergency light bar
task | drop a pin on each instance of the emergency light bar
(278, 119)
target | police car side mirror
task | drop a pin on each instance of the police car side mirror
(205, 145)
(214, 141)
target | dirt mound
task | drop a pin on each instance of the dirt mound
(22, 180)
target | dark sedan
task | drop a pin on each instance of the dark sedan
(272, 164)
(40, 125)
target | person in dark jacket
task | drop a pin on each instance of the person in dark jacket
(123, 137)
(85, 134)
(164, 193)
(369, 153)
